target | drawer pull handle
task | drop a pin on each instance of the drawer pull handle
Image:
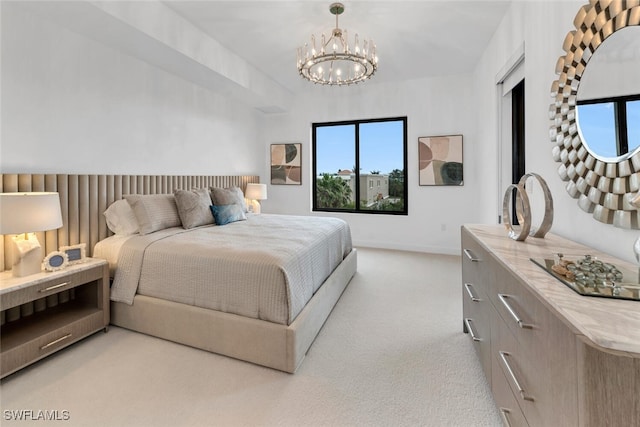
(503, 356)
(505, 418)
(519, 321)
(468, 287)
(471, 255)
(50, 288)
(467, 322)
(54, 342)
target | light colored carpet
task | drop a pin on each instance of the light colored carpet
(392, 353)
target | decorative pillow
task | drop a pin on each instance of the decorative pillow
(121, 219)
(228, 196)
(154, 211)
(193, 207)
(225, 214)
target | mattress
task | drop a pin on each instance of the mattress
(267, 267)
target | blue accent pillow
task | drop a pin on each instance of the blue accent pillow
(225, 214)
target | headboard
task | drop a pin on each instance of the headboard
(84, 198)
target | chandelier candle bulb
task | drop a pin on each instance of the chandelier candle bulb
(345, 47)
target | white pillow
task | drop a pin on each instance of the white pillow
(121, 219)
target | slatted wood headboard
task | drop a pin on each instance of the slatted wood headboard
(84, 198)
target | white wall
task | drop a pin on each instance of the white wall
(542, 27)
(73, 105)
(436, 106)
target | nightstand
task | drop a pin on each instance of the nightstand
(45, 312)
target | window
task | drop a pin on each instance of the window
(350, 157)
(610, 126)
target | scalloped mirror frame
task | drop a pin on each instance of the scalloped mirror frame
(604, 189)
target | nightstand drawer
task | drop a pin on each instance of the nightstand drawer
(19, 354)
(56, 283)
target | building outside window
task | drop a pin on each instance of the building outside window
(363, 161)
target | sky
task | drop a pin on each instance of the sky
(597, 126)
(381, 147)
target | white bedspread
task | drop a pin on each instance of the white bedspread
(267, 267)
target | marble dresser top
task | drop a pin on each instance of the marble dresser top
(611, 324)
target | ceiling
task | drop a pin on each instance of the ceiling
(414, 39)
(247, 49)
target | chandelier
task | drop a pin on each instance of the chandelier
(333, 62)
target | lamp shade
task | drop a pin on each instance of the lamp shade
(256, 192)
(29, 212)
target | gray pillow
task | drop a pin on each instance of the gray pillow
(228, 196)
(193, 207)
(154, 211)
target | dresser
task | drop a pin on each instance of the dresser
(552, 356)
(45, 312)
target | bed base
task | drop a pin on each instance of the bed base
(264, 343)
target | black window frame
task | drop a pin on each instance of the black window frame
(357, 209)
(620, 118)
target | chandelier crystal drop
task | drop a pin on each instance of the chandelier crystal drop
(333, 61)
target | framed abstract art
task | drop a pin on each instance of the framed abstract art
(286, 164)
(440, 160)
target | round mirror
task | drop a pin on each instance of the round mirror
(608, 98)
(605, 185)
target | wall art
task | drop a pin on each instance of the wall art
(286, 164)
(440, 160)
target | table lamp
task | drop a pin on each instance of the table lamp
(255, 192)
(22, 214)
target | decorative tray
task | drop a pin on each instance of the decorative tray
(590, 276)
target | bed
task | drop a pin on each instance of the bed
(255, 332)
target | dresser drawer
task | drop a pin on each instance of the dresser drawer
(508, 406)
(523, 313)
(476, 264)
(524, 376)
(476, 310)
(49, 286)
(541, 347)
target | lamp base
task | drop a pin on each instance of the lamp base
(27, 255)
(255, 207)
